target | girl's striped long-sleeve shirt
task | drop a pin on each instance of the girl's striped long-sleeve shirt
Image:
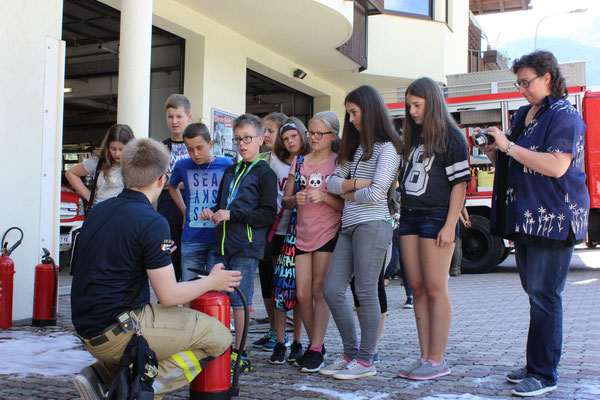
(371, 202)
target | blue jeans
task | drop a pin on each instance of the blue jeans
(543, 274)
(247, 266)
(195, 255)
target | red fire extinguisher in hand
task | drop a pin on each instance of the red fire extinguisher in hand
(45, 293)
(7, 272)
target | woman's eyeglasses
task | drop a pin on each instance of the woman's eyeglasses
(318, 135)
(245, 139)
(524, 83)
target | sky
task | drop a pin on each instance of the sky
(502, 28)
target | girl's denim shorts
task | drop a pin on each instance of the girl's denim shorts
(423, 223)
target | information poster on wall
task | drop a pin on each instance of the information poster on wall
(222, 133)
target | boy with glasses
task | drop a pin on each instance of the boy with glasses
(246, 207)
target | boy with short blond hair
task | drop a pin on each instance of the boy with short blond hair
(246, 207)
(178, 114)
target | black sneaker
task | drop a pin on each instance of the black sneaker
(295, 352)
(278, 356)
(300, 360)
(517, 375)
(530, 387)
(313, 361)
(89, 385)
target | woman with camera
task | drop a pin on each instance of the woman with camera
(541, 203)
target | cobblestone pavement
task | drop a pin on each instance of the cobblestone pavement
(487, 339)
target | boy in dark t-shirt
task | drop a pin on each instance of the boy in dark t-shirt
(178, 115)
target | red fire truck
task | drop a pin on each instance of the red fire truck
(489, 98)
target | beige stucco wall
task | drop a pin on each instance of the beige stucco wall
(22, 68)
(222, 61)
(411, 48)
(217, 57)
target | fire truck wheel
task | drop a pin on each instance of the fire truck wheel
(64, 260)
(505, 254)
(482, 251)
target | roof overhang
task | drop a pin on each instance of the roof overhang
(481, 7)
(304, 31)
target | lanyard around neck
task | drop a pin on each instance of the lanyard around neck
(234, 185)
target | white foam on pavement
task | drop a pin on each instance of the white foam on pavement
(465, 396)
(49, 354)
(356, 395)
(485, 379)
(591, 389)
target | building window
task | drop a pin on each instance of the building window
(410, 8)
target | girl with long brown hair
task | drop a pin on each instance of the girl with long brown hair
(433, 179)
(369, 158)
(104, 166)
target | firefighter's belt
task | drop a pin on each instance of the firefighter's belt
(113, 330)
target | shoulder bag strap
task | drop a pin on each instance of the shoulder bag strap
(299, 161)
(94, 183)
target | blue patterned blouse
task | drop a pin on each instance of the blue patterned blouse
(539, 205)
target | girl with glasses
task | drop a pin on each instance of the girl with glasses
(319, 218)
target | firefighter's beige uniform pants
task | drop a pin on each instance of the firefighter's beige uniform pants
(181, 338)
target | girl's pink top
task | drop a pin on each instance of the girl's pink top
(318, 223)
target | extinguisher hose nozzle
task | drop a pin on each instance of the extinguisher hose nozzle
(5, 249)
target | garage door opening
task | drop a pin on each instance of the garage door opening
(265, 95)
(91, 31)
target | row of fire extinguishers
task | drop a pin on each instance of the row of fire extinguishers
(45, 293)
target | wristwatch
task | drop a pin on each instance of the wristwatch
(510, 144)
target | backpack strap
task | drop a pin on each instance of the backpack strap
(95, 182)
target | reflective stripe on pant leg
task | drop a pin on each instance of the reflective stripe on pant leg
(186, 360)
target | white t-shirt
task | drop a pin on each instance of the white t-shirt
(105, 189)
(282, 170)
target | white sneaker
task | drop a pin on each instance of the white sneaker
(355, 370)
(337, 366)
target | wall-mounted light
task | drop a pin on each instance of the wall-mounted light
(102, 47)
(298, 73)
(67, 90)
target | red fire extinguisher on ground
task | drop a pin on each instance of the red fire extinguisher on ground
(45, 293)
(7, 272)
(214, 381)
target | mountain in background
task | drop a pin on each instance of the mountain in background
(565, 50)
